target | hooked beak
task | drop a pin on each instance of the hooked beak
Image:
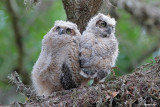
(61, 31)
(109, 30)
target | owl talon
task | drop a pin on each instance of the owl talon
(102, 80)
(88, 74)
(83, 74)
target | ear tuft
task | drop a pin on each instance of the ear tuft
(57, 22)
(108, 15)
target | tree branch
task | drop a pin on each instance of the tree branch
(137, 89)
(18, 40)
(145, 14)
(14, 77)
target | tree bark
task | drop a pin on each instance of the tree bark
(80, 11)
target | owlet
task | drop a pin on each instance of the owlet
(57, 67)
(98, 48)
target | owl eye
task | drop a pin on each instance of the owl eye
(57, 29)
(68, 31)
(103, 24)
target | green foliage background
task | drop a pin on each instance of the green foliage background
(35, 23)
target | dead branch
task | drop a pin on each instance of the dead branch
(14, 77)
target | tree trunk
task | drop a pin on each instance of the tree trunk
(80, 11)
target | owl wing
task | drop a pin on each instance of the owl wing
(66, 77)
(86, 46)
(98, 63)
(70, 77)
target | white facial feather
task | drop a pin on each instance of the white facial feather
(67, 24)
(102, 17)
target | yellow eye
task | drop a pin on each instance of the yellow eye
(103, 24)
(68, 31)
(57, 29)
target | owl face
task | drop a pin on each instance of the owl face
(65, 28)
(60, 30)
(63, 32)
(105, 28)
(102, 26)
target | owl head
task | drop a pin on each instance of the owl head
(102, 25)
(63, 32)
(65, 28)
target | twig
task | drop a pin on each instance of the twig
(14, 77)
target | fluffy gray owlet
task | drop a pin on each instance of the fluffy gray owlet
(57, 67)
(98, 48)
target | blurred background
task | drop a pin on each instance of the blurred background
(23, 25)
